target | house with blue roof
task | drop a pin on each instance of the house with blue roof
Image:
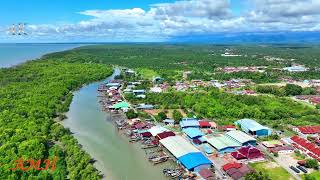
(189, 119)
(189, 123)
(139, 92)
(253, 128)
(193, 133)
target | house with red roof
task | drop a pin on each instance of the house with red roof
(164, 135)
(228, 166)
(146, 134)
(139, 125)
(227, 128)
(207, 174)
(249, 153)
(306, 147)
(204, 124)
(236, 170)
(307, 130)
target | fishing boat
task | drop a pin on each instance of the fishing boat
(152, 157)
(147, 141)
(159, 160)
(173, 173)
(147, 146)
(134, 138)
(155, 151)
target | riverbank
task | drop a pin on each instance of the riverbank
(116, 158)
(32, 95)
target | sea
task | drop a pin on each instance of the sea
(14, 54)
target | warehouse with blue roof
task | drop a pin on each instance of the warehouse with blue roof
(185, 153)
(252, 127)
(195, 161)
(222, 143)
(241, 138)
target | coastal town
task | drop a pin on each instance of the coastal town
(202, 148)
(160, 90)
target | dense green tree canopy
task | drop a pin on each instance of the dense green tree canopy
(32, 96)
(312, 163)
(162, 115)
(273, 111)
(177, 116)
(169, 61)
(35, 94)
(293, 90)
(131, 114)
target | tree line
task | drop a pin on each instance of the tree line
(33, 97)
(276, 112)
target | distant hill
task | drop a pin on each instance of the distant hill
(251, 37)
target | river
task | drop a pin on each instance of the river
(116, 158)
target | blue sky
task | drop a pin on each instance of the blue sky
(34, 11)
(152, 20)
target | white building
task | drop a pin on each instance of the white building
(283, 150)
(295, 69)
(155, 90)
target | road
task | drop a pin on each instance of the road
(283, 164)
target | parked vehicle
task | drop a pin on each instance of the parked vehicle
(302, 169)
(294, 169)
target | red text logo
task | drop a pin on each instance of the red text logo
(35, 164)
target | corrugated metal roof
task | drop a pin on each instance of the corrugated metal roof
(178, 146)
(309, 129)
(189, 119)
(193, 132)
(249, 124)
(155, 130)
(193, 160)
(168, 121)
(113, 84)
(206, 173)
(240, 136)
(139, 91)
(120, 105)
(228, 166)
(189, 123)
(204, 124)
(165, 134)
(221, 142)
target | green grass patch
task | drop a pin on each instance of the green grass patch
(272, 169)
(288, 133)
(314, 175)
(147, 73)
(298, 156)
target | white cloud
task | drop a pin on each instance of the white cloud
(285, 14)
(184, 17)
(194, 8)
(288, 8)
